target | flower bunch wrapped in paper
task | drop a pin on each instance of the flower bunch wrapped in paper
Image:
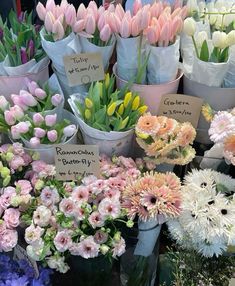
(207, 219)
(165, 140)
(20, 48)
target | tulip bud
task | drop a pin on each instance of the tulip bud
(107, 80)
(142, 109)
(105, 33)
(136, 103)
(231, 38)
(70, 15)
(201, 37)
(56, 99)
(142, 135)
(4, 104)
(124, 123)
(40, 93)
(213, 18)
(39, 132)
(38, 119)
(127, 99)
(32, 87)
(87, 114)
(69, 130)
(79, 26)
(58, 30)
(189, 27)
(88, 103)
(9, 117)
(34, 142)
(28, 99)
(121, 109)
(49, 21)
(220, 40)
(41, 11)
(52, 136)
(111, 109)
(5, 172)
(17, 112)
(125, 28)
(6, 181)
(90, 24)
(50, 120)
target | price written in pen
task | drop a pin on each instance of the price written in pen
(91, 67)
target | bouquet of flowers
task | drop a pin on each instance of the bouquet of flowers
(165, 140)
(20, 48)
(153, 198)
(21, 273)
(206, 222)
(222, 134)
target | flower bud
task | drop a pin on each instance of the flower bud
(38, 119)
(56, 99)
(39, 132)
(50, 120)
(52, 136)
(39, 185)
(117, 236)
(127, 99)
(111, 109)
(136, 103)
(220, 40)
(34, 142)
(124, 123)
(88, 103)
(189, 27)
(16, 201)
(201, 37)
(5, 172)
(104, 249)
(9, 156)
(70, 130)
(87, 114)
(107, 80)
(3, 103)
(130, 223)
(231, 38)
(40, 93)
(6, 181)
(121, 109)
(142, 109)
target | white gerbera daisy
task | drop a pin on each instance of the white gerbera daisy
(211, 249)
(224, 180)
(201, 178)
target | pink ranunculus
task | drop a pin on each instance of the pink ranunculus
(67, 207)
(99, 186)
(79, 213)
(96, 219)
(39, 132)
(49, 196)
(116, 183)
(100, 237)
(80, 194)
(40, 93)
(63, 241)
(50, 120)
(88, 248)
(109, 207)
(11, 218)
(24, 186)
(27, 159)
(52, 136)
(133, 173)
(38, 119)
(89, 180)
(69, 130)
(5, 199)
(38, 166)
(33, 234)
(8, 240)
(56, 99)
(16, 162)
(32, 86)
(9, 117)
(112, 194)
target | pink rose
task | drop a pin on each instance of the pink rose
(24, 186)
(50, 120)
(62, 241)
(11, 218)
(8, 240)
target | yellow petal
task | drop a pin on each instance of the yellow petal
(127, 99)
(88, 103)
(121, 109)
(136, 103)
(142, 109)
(111, 109)
(87, 114)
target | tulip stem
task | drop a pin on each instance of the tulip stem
(195, 46)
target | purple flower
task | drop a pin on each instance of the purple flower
(23, 55)
(31, 48)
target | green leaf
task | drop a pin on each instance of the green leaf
(204, 54)
(100, 115)
(224, 55)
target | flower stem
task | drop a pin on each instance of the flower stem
(195, 46)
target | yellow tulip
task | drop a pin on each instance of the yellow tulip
(142, 109)
(136, 103)
(87, 114)
(100, 85)
(111, 109)
(121, 109)
(124, 122)
(107, 80)
(127, 99)
(142, 135)
(88, 103)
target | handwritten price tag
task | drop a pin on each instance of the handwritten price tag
(83, 68)
(73, 161)
(181, 107)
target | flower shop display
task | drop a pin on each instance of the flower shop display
(21, 273)
(109, 114)
(153, 199)
(165, 140)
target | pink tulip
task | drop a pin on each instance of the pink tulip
(162, 19)
(119, 11)
(3, 103)
(52, 135)
(56, 99)
(177, 25)
(81, 12)
(184, 12)
(135, 26)
(167, 10)
(115, 23)
(69, 130)
(39, 132)
(70, 15)
(111, 8)
(17, 112)
(105, 33)
(64, 5)
(23, 127)
(125, 29)
(58, 30)
(41, 11)
(9, 117)
(40, 93)
(38, 119)
(58, 11)
(79, 26)
(151, 35)
(156, 9)
(27, 98)
(137, 6)
(49, 21)
(15, 132)
(50, 5)
(90, 24)
(18, 101)
(50, 120)
(145, 19)
(32, 86)
(100, 11)
(175, 13)
(165, 34)
(34, 142)
(93, 9)
(128, 15)
(101, 21)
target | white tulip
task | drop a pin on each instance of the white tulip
(219, 4)
(201, 6)
(213, 17)
(192, 6)
(228, 19)
(220, 40)
(201, 37)
(189, 27)
(231, 38)
(219, 22)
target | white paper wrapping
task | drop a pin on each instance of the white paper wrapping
(187, 48)
(55, 86)
(127, 57)
(2, 70)
(163, 63)
(110, 143)
(106, 52)
(229, 80)
(57, 50)
(30, 67)
(208, 73)
(148, 234)
(212, 158)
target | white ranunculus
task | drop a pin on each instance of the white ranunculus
(220, 40)
(231, 38)
(189, 26)
(201, 37)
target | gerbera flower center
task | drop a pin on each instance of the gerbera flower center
(224, 211)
